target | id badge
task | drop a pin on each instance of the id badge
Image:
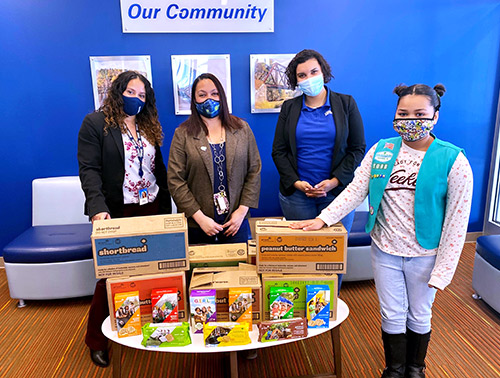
(221, 202)
(143, 196)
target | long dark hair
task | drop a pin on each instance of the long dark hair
(195, 123)
(302, 57)
(433, 94)
(147, 120)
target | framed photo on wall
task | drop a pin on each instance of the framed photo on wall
(268, 83)
(105, 69)
(186, 68)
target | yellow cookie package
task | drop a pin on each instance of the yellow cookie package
(128, 314)
(220, 334)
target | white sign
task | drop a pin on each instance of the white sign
(197, 16)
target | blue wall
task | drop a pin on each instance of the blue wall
(372, 46)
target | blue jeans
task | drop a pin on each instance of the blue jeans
(405, 298)
(300, 207)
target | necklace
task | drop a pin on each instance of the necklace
(221, 201)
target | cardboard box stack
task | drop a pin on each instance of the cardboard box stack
(151, 254)
(297, 258)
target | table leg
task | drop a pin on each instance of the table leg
(233, 358)
(336, 351)
(116, 360)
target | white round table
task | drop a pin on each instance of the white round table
(198, 345)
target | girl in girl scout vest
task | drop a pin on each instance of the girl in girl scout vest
(419, 191)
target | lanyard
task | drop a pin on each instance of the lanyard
(138, 147)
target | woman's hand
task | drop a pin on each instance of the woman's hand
(207, 224)
(321, 189)
(303, 186)
(234, 223)
(308, 225)
(101, 216)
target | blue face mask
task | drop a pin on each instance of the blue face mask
(132, 105)
(312, 86)
(208, 108)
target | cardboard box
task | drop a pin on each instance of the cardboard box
(253, 220)
(140, 245)
(283, 250)
(224, 278)
(207, 255)
(299, 282)
(252, 252)
(145, 284)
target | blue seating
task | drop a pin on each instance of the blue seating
(359, 265)
(53, 258)
(486, 274)
(47, 244)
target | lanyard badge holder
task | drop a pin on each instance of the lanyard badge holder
(221, 200)
(142, 193)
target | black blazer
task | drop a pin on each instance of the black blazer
(102, 169)
(349, 141)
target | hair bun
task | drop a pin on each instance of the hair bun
(440, 89)
(399, 89)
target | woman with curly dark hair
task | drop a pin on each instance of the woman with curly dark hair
(122, 173)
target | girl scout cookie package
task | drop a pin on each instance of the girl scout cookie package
(298, 282)
(140, 245)
(220, 334)
(222, 279)
(203, 308)
(283, 329)
(166, 335)
(164, 305)
(145, 285)
(127, 314)
(283, 250)
(240, 304)
(318, 306)
(281, 302)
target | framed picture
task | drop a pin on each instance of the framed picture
(105, 69)
(268, 83)
(186, 68)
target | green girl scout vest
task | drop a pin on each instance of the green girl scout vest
(430, 191)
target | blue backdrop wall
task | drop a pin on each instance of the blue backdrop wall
(371, 46)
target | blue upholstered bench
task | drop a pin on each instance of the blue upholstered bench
(53, 258)
(48, 262)
(486, 275)
(359, 265)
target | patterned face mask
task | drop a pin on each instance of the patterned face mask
(413, 129)
(208, 108)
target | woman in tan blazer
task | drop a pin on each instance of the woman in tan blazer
(214, 167)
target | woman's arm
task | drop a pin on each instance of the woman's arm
(281, 152)
(350, 198)
(251, 187)
(90, 169)
(356, 144)
(177, 175)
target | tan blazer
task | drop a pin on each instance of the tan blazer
(190, 172)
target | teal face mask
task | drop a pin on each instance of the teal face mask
(312, 86)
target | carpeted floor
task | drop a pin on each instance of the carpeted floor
(45, 339)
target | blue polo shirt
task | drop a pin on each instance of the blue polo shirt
(315, 138)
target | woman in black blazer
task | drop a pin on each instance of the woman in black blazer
(318, 143)
(122, 173)
(319, 136)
